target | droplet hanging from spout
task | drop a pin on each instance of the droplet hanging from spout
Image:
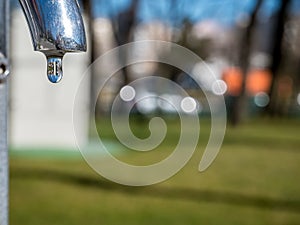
(54, 68)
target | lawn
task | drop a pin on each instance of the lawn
(254, 180)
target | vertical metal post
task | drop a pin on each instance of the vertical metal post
(3, 156)
(4, 71)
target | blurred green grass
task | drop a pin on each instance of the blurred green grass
(254, 180)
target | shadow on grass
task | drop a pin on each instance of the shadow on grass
(194, 195)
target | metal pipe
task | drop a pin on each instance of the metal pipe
(4, 71)
(56, 28)
(3, 155)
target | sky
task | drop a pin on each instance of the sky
(223, 11)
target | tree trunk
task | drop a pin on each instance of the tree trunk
(277, 55)
(239, 102)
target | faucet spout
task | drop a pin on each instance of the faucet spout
(56, 28)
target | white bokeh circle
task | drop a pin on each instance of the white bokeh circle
(188, 105)
(127, 93)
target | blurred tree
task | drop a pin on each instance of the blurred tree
(276, 52)
(87, 7)
(123, 25)
(247, 25)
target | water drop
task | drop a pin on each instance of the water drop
(54, 69)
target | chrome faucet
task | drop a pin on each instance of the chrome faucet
(56, 27)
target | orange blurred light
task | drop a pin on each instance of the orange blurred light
(234, 79)
(258, 80)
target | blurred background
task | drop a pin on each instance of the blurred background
(252, 46)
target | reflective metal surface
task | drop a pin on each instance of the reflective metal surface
(56, 28)
(4, 72)
(4, 39)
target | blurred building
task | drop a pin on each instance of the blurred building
(41, 112)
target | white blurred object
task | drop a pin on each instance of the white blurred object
(298, 99)
(41, 112)
(219, 87)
